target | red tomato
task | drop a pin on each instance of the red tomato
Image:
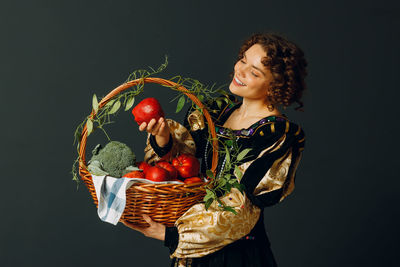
(187, 165)
(157, 174)
(147, 109)
(173, 173)
(134, 174)
(143, 165)
(192, 180)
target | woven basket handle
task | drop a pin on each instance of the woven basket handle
(123, 87)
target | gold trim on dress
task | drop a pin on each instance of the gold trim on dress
(298, 131)
(287, 126)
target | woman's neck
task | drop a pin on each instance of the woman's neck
(255, 108)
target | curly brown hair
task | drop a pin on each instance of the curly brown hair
(287, 64)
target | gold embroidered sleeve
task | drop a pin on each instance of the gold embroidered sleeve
(202, 232)
(182, 143)
(196, 120)
(273, 172)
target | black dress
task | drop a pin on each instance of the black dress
(253, 249)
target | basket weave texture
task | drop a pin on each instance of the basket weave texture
(164, 203)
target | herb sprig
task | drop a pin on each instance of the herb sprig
(222, 185)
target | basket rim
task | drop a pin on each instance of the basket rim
(86, 176)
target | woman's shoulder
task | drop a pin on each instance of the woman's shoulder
(282, 128)
(272, 129)
(270, 126)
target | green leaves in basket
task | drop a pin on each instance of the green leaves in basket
(89, 126)
(228, 208)
(115, 107)
(95, 103)
(201, 98)
(242, 154)
(129, 103)
(219, 103)
(210, 174)
(209, 198)
(110, 103)
(238, 173)
(238, 186)
(181, 103)
(227, 179)
(227, 157)
(229, 143)
(208, 203)
(209, 194)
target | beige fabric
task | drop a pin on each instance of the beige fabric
(196, 120)
(182, 143)
(202, 231)
(278, 175)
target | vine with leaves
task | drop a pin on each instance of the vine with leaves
(208, 95)
(226, 180)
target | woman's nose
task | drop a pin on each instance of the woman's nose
(240, 71)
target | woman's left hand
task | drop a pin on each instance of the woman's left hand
(155, 230)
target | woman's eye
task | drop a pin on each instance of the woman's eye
(255, 75)
(242, 61)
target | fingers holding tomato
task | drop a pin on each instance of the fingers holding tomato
(160, 128)
(147, 109)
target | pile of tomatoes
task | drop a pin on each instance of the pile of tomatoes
(184, 167)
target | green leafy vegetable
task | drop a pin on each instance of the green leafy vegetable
(113, 159)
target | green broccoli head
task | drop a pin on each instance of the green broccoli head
(114, 158)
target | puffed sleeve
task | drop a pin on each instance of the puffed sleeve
(268, 179)
(202, 232)
(180, 141)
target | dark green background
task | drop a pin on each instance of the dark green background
(54, 55)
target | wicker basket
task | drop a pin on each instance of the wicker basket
(164, 203)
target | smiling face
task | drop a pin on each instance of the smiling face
(251, 78)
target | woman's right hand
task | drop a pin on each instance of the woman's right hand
(159, 129)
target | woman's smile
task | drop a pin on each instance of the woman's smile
(238, 82)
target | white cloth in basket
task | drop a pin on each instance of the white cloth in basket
(111, 194)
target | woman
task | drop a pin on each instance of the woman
(269, 73)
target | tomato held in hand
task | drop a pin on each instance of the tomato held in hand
(192, 180)
(143, 165)
(186, 165)
(173, 173)
(157, 174)
(147, 109)
(134, 174)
